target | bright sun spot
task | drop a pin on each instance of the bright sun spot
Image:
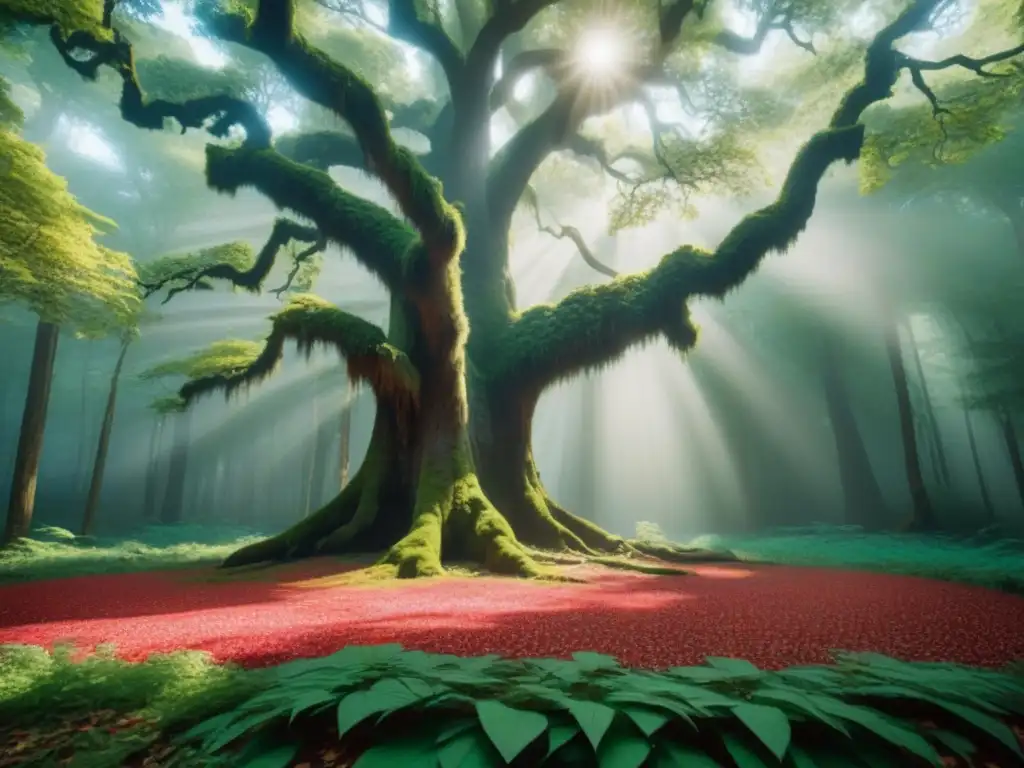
(600, 52)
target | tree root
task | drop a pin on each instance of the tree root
(675, 554)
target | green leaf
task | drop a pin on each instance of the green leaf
(594, 719)
(799, 759)
(310, 699)
(560, 734)
(677, 708)
(768, 724)
(800, 702)
(647, 719)
(741, 753)
(418, 752)
(589, 660)
(210, 725)
(469, 749)
(454, 729)
(623, 750)
(956, 743)
(279, 757)
(994, 728)
(385, 695)
(669, 755)
(241, 727)
(510, 730)
(881, 726)
(732, 666)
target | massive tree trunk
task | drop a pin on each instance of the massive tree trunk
(862, 496)
(30, 439)
(922, 516)
(103, 444)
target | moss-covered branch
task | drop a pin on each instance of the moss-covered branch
(233, 263)
(319, 78)
(225, 110)
(378, 240)
(592, 326)
(310, 321)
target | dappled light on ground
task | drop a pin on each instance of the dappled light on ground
(772, 615)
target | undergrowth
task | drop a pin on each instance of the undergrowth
(58, 553)
(437, 711)
(996, 564)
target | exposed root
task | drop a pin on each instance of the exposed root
(641, 566)
(593, 536)
(304, 537)
(674, 554)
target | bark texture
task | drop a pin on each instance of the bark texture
(30, 439)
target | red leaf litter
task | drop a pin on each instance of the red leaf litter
(772, 615)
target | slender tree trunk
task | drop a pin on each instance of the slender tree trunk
(345, 433)
(30, 440)
(1009, 431)
(173, 508)
(928, 409)
(103, 444)
(862, 497)
(923, 517)
(82, 457)
(153, 469)
(972, 441)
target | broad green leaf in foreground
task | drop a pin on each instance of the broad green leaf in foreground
(510, 730)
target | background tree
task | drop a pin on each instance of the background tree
(452, 433)
(51, 264)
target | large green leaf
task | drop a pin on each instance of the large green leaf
(309, 700)
(798, 702)
(671, 755)
(955, 742)
(742, 753)
(882, 726)
(510, 730)
(560, 734)
(994, 728)
(417, 752)
(385, 695)
(594, 719)
(768, 724)
(677, 708)
(623, 748)
(241, 727)
(647, 719)
(470, 749)
(735, 667)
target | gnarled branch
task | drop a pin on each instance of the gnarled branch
(594, 325)
(310, 320)
(250, 279)
(378, 240)
(404, 23)
(316, 76)
(561, 231)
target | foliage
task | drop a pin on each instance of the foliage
(590, 711)
(58, 553)
(103, 707)
(651, 532)
(178, 269)
(49, 258)
(221, 358)
(175, 79)
(999, 565)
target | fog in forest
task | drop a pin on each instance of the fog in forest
(787, 413)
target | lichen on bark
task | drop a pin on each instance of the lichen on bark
(449, 472)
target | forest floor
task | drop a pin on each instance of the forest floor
(774, 615)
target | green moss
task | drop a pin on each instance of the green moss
(376, 238)
(68, 15)
(179, 80)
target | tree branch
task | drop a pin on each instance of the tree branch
(514, 166)
(225, 111)
(378, 240)
(251, 279)
(561, 232)
(526, 61)
(595, 325)
(310, 321)
(507, 19)
(405, 24)
(319, 78)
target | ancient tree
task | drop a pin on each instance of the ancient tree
(459, 370)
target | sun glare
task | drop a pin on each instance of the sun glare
(600, 51)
